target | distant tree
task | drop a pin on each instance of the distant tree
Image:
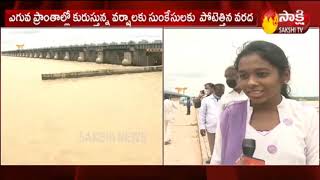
(143, 42)
(131, 42)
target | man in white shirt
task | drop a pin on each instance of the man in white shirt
(209, 114)
(236, 94)
(169, 114)
(219, 91)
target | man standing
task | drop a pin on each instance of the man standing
(197, 100)
(197, 104)
(236, 94)
(219, 91)
(169, 109)
(209, 114)
(188, 105)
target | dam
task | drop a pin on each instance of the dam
(130, 53)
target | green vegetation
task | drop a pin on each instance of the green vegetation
(306, 98)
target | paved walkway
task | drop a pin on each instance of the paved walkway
(185, 145)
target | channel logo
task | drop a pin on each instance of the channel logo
(285, 22)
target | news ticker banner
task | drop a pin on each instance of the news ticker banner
(295, 22)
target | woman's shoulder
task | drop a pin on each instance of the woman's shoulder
(235, 107)
(300, 107)
(236, 104)
(302, 112)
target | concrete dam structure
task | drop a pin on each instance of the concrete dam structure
(131, 54)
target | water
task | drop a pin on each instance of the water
(97, 120)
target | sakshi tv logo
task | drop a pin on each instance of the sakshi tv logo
(285, 22)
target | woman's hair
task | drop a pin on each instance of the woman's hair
(271, 53)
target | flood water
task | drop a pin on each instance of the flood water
(96, 120)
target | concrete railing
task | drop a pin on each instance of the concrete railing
(100, 72)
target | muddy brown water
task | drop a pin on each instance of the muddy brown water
(95, 120)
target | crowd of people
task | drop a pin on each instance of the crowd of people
(258, 107)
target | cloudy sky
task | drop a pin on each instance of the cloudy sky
(47, 37)
(194, 57)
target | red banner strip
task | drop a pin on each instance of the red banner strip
(129, 18)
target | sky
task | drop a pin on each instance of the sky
(52, 37)
(193, 57)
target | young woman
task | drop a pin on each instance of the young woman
(286, 132)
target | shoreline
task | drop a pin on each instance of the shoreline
(100, 72)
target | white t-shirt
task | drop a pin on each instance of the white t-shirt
(209, 114)
(169, 110)
(232, 96)
(294, 141)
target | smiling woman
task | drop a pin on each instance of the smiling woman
(261, 79)
(285, 131)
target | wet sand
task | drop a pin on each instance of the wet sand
(97, 120)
